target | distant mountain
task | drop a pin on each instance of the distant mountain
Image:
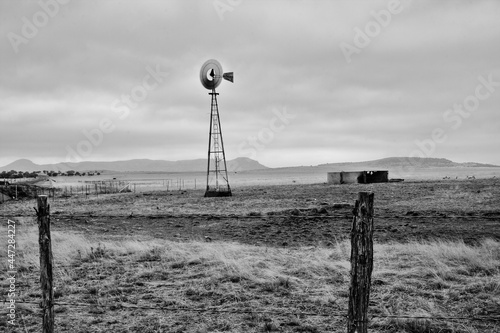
(238, 164)
(145, 165)
(389, 163)
(397, 162)
(21, 165)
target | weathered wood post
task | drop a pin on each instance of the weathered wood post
(361, 263)
(44, 241)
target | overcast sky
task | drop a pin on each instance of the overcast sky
(315, 81)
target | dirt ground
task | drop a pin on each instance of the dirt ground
(288, 215)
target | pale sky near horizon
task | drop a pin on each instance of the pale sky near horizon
(315, 81)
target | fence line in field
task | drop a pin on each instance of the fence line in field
(90, 188)
(283, 312)
(361, 268)
(236, 216)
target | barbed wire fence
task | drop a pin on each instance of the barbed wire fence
(46, 305)
(281, 311)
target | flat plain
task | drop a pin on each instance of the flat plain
(269, 258)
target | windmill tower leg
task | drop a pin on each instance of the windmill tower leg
(217, 179)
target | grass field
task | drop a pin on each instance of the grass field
(114, 281)
(426, 279)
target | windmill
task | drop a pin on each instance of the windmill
(211, 76)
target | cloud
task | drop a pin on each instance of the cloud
(68, 77)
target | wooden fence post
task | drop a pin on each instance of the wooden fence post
(44, 241)
(361, 263)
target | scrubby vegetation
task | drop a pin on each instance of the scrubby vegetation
(17, 174)
(13, 174)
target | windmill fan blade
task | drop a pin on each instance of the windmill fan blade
(210, 74)
(228, 76)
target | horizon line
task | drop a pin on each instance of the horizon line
(242, 157)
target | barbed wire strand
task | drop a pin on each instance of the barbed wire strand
(187, 309)
(275, 312)
(260, 216)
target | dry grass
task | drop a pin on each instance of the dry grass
(119, 278)
(441, 278)
(425, 279)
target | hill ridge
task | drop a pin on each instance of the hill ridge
(134, 165)
(237, 164)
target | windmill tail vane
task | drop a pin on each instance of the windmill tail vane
(228, 76)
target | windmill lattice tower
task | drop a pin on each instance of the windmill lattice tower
(217, 179)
